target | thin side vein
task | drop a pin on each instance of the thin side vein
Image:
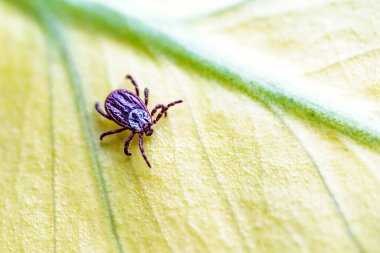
(218, 184)
(335, 202)
(53, 153)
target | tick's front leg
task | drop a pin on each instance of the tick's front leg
(126, 145)
(163, 110)
(172, 104)
(142, 150)
(159, 106)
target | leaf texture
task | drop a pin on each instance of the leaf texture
(233, 171)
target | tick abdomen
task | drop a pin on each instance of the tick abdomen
(120, 103)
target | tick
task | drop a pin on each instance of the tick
(128, 111)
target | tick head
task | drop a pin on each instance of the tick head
(148, 130)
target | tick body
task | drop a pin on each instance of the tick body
(131, 113)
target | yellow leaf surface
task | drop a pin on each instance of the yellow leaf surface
(231, 172)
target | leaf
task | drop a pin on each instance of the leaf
(262, 156)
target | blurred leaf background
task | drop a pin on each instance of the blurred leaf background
(276, 148)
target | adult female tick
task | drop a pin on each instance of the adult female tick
(128, 111)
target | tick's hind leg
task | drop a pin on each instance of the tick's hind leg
(134, 84)
(142, 150)
(146, 92)
(112, 132)
(126, 145)
(97, 107)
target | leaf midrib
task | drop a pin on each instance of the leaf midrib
(178, 46)
(55, 35)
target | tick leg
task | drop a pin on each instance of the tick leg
(156, 108)
(97, 107)
(112, 132)
(170, 105)
(142, 150)
(174, 103)
(134, 84)
(165, 109)
(126, 145)
(146, 92)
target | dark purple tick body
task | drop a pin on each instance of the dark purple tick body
(128, 111)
